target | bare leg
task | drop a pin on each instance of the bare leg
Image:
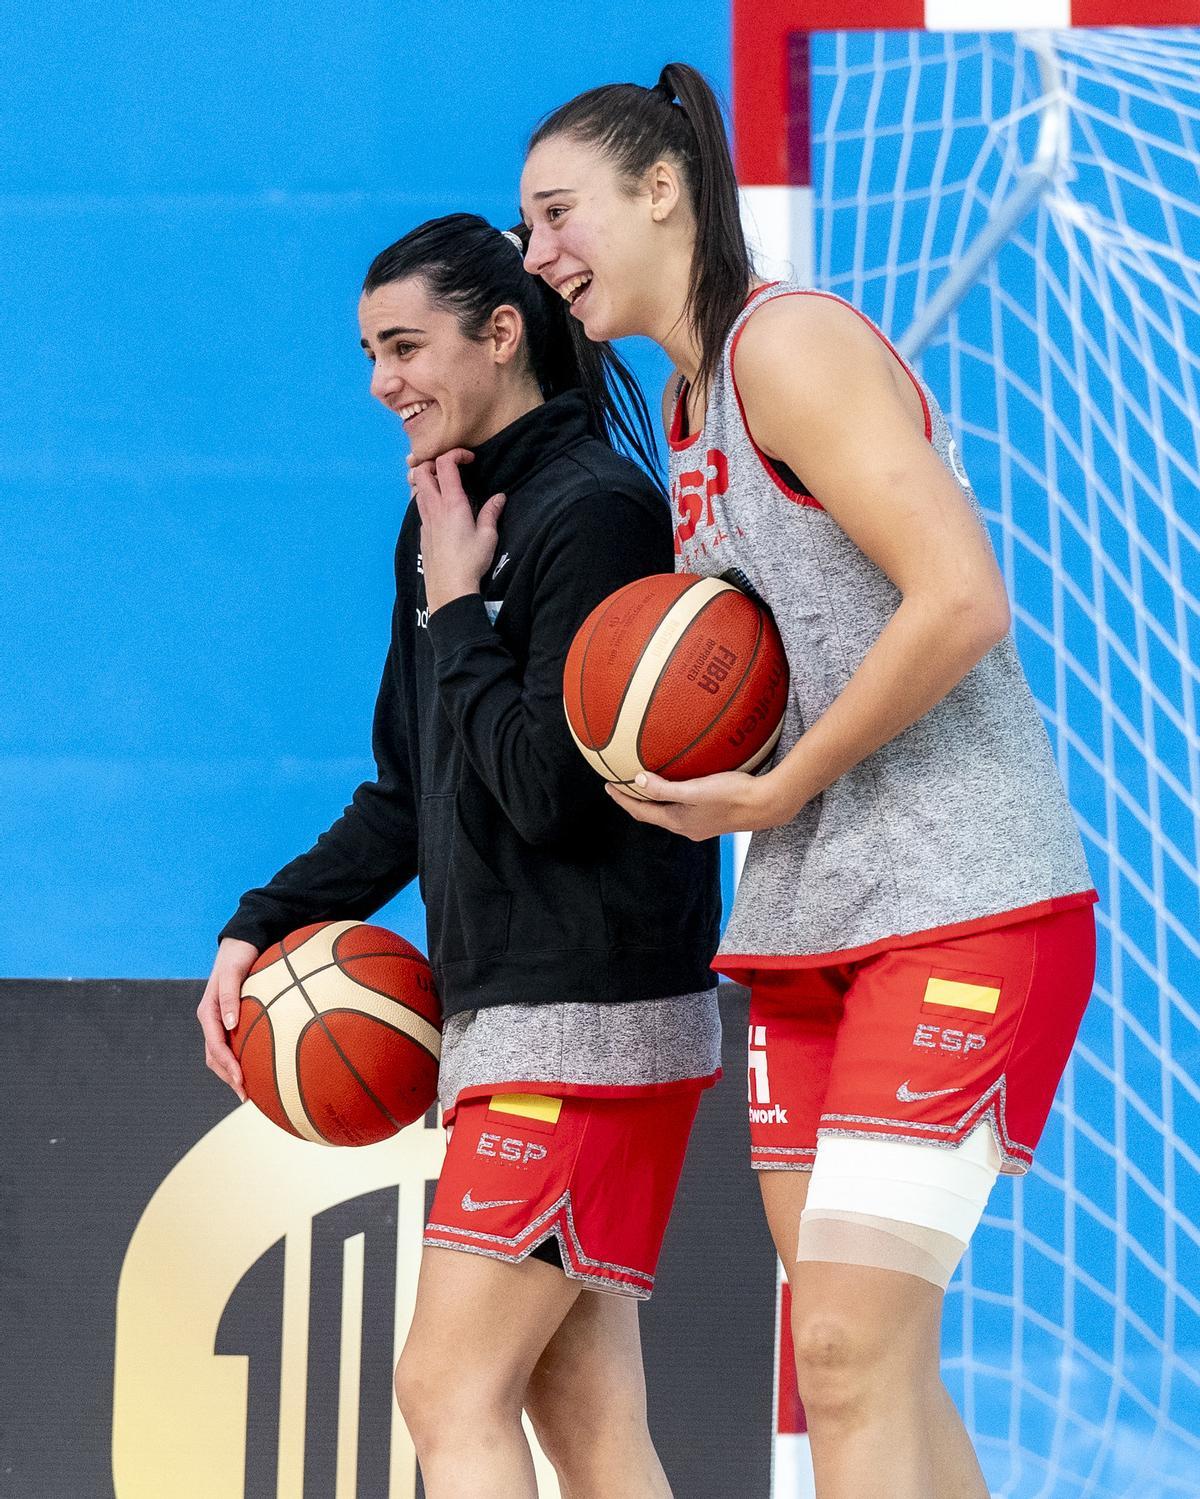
(881, 1422)
(956, 1470)
(479, 1328)
(867, 1364)
(587, 1402)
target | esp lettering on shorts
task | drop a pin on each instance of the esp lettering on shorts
(507, 1148)
(945, 1038)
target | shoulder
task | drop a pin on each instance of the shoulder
(594, 471)
(803, 356)
(800, 328)
(603, 501)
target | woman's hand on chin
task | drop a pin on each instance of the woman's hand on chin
(457, 545)
(732, 802)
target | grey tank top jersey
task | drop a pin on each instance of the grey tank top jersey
(958, 823)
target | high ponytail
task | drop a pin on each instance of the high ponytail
(470, 269)
(635, 127)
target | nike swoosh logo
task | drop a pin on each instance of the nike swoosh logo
(906, 1095)
(472, 1206)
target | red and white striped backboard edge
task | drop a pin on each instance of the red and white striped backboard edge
(770, 121)
(771, 124)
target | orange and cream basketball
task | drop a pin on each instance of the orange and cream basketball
(339, 1033)
(675, 674)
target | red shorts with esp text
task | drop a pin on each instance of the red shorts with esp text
(919, 1043)
(596, 1173)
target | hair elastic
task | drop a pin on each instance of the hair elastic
(513, 240)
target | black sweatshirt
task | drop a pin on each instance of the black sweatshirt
(537, 888)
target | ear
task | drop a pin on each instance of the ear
(506, 332)
(665, 188)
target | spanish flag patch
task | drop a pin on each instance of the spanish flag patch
(537, 1111)
(960, 994)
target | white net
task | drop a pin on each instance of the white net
(1069, 368)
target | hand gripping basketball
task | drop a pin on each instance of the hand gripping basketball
(338, 1033)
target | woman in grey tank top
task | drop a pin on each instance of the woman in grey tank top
(914, 919)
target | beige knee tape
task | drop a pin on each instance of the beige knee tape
(897, 1206)
(879, 1243)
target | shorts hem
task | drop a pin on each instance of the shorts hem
(795, 1157)
(989, 1109)
(611, 1284)
(557, 1221)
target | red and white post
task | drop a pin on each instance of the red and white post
(773, 150)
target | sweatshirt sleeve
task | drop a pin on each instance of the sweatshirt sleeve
(511, 721)
(368, 854)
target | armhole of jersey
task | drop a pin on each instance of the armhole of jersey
(778, 472)
(675, 438)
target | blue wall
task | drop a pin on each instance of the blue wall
(199, 498)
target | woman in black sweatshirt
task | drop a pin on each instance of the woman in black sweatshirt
(570, 944)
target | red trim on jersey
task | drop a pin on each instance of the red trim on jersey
(578, 1090)
(799, 499)
(678, 443)
(736, 965)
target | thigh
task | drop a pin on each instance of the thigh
(594, 1359)
(784, 1194)
(487, 1320)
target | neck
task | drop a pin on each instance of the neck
(512, 405)
(673, 331)
(669, 325)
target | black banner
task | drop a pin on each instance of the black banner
(197, 1306)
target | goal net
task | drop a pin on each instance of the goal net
(1022, 214)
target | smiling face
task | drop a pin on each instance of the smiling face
(598, 240)
(449, 390)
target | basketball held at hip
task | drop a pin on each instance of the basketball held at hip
(339, 1033)
(677, 675)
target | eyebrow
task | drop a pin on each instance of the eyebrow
(551, 192)
(386, 333)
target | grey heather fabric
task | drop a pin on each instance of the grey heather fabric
(650, 1041)
(962, 816)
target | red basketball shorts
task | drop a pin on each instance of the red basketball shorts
(920, 1043)
(596, 1173)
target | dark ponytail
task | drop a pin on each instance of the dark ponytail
(635, 127)
(470, 269)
